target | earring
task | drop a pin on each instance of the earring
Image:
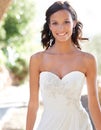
(51, 38)
(49, 33)
(50, 43)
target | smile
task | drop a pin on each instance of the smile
(61, 34)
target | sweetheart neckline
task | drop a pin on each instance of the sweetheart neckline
(62, 76)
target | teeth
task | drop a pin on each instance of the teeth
(62, 34)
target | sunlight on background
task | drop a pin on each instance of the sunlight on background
(88, 13)
(14, 98)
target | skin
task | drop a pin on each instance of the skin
(66, 58)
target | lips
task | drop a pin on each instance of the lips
(61, 34)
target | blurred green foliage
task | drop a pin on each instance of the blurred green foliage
(16, 32)
(15, 35)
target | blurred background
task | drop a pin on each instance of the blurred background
(21, 22)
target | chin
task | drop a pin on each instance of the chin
(62, 40)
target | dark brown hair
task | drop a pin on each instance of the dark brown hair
(47, 38)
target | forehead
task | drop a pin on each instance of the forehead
(61, 14)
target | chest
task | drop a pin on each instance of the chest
(61, 62)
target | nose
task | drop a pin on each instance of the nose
(60, 27)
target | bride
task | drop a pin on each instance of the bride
(60, 71)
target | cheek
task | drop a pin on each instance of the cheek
(52, 28)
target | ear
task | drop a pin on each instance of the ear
(74, 23)
(49, 26)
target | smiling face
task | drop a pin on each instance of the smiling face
(61, 25)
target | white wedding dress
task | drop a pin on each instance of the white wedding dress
(61, 99)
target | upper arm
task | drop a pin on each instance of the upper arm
(34, 70)
(91, 78)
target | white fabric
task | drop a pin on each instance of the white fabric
(61, 99)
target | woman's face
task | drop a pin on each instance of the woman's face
(61, 25)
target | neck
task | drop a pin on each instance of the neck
(63, 48)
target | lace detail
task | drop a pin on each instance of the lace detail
(61, 99)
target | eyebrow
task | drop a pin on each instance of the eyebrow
(56, 20)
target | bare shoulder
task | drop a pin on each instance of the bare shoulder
(89, 61)
(37, 56)
(88, 57)
(36, 59)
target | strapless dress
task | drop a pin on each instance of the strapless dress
(62, 105)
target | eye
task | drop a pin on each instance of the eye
(67, 21)
(54, 23)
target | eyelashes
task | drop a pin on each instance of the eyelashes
(54, 23)
(67, 22)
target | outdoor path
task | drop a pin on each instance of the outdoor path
(13, 107)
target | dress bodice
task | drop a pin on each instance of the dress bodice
(61, 100)
(61, 91)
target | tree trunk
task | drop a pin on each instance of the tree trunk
(4, 4)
